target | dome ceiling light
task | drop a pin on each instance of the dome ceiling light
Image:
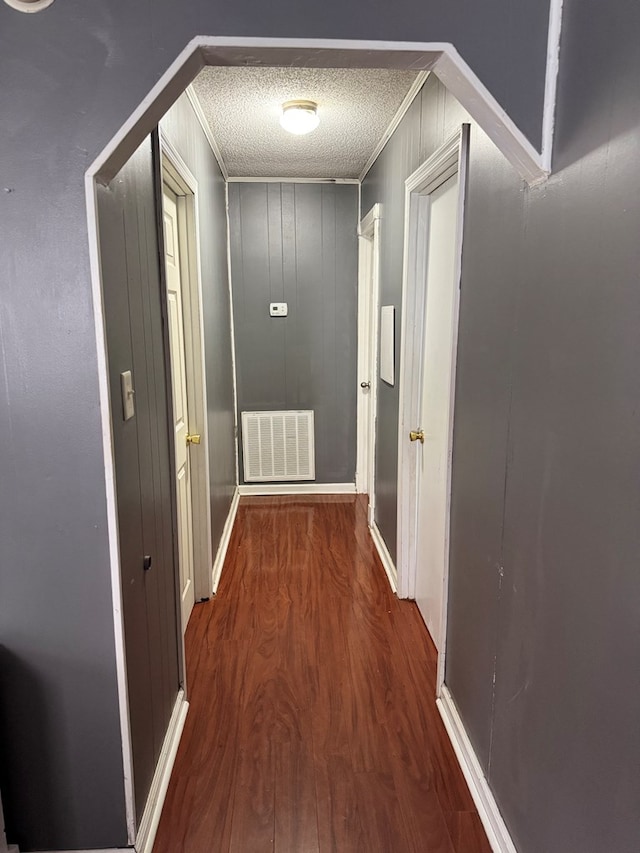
(299, 117)
(28, 5)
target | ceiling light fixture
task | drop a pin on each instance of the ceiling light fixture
(28, 5)
(300, 117)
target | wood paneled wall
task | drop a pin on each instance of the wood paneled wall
(297, 243)
(133, 312)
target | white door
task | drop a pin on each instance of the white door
(180, 408)
(368, 311)
(437, 388)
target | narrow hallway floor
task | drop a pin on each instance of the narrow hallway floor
(313, 725)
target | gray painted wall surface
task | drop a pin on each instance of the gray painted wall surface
(185, 133)
(71, 75)
(544, 586)
(297, 243)
(133, 300)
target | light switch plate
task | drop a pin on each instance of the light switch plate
(278, 309)
(126, 386)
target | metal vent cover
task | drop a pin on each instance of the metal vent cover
(278, 446)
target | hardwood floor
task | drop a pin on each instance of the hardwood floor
(313, 725)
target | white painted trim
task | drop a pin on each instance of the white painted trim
(444, 59)
(463, 162)
(368, 311)
(409, 98)
(216, 572)
(473, 95)
(299, 489)
(14, 849)
(449, 159)
(204, 124)
(158, 791)
(188, 186)
(271, 180)
(234, 372)
(111, 502)
(551, 82)
(493, 822)
(385, 556)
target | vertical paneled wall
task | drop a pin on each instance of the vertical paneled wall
(297, 243)
(133, 315)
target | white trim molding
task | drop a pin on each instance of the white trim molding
(111, 500)
(266, 489)
(493, 822)
(441, 57)
(367, 358)
(204, 124)
(385, 557)
(551, 82)
(473, 95)
(409, 98)
(290, 180)
(448, 160)
(158, 791)
(221, 554)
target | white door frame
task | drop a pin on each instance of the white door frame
(448, 160)
(368, 321)
(177, 176)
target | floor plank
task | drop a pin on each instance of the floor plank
(313, 726)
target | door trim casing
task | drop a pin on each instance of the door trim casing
(368, 322)
(178, 177)
(449, 159)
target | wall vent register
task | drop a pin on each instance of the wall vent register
(278, 446)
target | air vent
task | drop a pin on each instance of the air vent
(278, 446)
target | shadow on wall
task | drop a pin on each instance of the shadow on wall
(605, 58)
(28, 796)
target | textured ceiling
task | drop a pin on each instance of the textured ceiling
(242, 107)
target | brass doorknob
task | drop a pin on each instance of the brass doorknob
(417, 435)
(193, 439)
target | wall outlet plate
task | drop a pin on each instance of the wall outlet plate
(278, 309)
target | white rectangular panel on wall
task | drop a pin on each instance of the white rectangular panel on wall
(387, 344)
(278, 446)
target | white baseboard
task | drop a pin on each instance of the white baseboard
(385, 556)
(218, 563)
(298, 489)
(494, 825)
(153, 809)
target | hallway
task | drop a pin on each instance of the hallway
(312, 725)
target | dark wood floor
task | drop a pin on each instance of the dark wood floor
(313, 725)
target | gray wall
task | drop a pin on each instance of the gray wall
(183, 130)
(297, 243)
(544, 588)
(71, 75)
(133, 292)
